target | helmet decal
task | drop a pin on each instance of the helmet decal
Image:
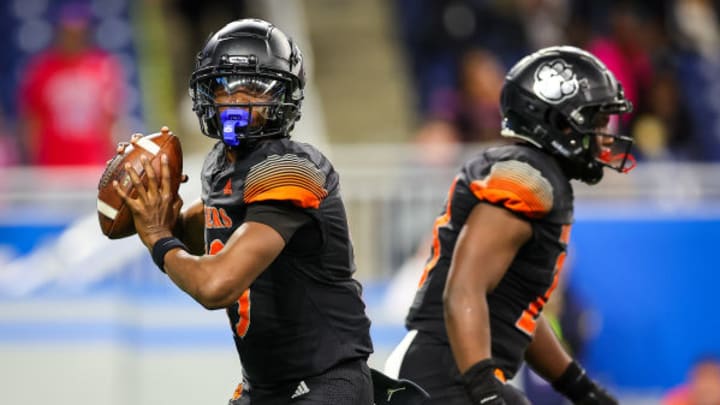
(555, 81)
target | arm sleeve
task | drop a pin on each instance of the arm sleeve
(286, 219)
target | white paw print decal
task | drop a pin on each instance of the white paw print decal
(555, 81)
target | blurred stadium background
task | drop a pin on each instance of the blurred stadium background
(390, 100)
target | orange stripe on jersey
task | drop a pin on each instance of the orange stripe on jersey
(518, 187)
(286, 178)
(500, 375)
(297, 195)
(565, 234)
(238, 392)
(244, 313)
(439, 223)
(527, 322)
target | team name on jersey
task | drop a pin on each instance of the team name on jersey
(217, 218)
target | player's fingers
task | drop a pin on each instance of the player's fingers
(121, 147)
(165, 167)
(137, 184)
(134, 137)
(120, 191)
(177, 205)
(123, 196)
(151, 175)
(184, 178)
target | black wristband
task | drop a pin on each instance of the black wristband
(481, 384)
(164, 245)
(574, 383)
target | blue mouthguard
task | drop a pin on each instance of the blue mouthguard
(234, 121)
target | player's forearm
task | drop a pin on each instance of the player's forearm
(468, 326)
(195, 275)
(545, 354)
(218, 280)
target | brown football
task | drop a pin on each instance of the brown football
(115, 218)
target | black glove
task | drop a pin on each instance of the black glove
(580, 389)
(481, 384)
(514, 396)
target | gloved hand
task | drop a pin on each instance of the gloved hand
(580, 389)
(482, 386)
(513, 396)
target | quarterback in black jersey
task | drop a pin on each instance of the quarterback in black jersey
(269, 240)
(500, 243)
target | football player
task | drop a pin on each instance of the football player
(501, 240)
(268, 241)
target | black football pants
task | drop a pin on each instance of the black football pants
(348, 383)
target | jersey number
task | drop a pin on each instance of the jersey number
(243, 323)
(528, 319)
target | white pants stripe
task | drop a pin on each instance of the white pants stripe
(394, 361)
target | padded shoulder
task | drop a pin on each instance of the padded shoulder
(520, 179)
(287, 177)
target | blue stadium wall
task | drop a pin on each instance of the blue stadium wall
(651, 275)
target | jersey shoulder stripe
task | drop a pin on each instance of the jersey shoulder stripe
(517, 186)
(286, 178)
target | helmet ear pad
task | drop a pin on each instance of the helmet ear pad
(566, 133)
(558, 121)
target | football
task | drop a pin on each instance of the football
(115, 218)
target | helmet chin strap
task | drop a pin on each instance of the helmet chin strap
(234, 121)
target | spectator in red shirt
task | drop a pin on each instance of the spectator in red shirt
(70, 96)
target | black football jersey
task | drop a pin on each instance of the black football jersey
(533, 186)
(304, 313)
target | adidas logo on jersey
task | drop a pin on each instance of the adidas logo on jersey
(301, 389)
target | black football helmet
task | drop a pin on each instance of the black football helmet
(254, 57)
(560, 99)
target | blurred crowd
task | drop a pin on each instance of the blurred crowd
(72, 73)
(666, 54)
(69, 82)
